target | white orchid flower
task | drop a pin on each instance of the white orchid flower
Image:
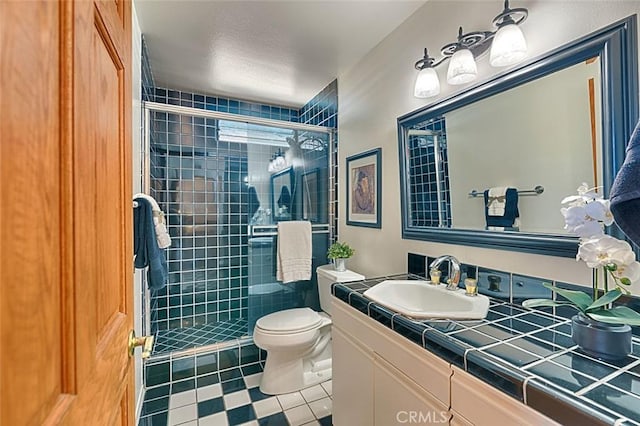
(588, 229)
(574, 216)
(605, 249)
(599, 210)
(587, 213)
(578, 221)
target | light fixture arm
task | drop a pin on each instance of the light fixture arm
(428, 61)
(510, 16)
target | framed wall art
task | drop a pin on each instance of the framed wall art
(364, 189)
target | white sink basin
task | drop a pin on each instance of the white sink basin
(423, 300)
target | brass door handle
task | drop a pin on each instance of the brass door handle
(145, 341)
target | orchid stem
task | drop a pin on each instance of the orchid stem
(606, 281)
(594, 284)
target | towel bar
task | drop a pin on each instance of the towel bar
(537, 191)
(272, 230)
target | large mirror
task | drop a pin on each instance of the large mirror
(489, 167)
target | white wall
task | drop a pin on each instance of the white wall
(136, 136)
(380, 88)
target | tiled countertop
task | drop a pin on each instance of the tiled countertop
(526, 354)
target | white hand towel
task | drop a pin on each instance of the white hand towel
(294, 251)
(162, 235)
(497, 201)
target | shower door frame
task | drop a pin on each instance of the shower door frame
(147, 107)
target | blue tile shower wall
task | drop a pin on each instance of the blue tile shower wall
(322, 110)
(148, 85)
(199, 183)
(223, 104)
(208, 280)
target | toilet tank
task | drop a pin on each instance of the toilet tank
(327, 275)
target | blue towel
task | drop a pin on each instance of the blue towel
(625, 192)
(510, 210)
(145, 246)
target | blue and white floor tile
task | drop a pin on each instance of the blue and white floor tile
(237, 400)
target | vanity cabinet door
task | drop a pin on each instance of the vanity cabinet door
(458, 420)
(399, 400)
(353, 381)
(481, 404)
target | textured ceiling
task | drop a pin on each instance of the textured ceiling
(281, 52)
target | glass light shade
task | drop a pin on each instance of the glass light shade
(508, 47)
(279, 163)
(427, 83)
(462, 67)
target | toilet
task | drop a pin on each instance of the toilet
(298, 341)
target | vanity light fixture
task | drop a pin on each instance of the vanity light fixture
(427, 82)
(278, 162)
(462, 67)
(508, 46)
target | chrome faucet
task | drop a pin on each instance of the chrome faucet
(454, 270)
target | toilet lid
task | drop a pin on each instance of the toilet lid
(290, 320)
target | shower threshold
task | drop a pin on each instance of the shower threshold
(179, 339)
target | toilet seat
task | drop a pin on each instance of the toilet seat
(289, 321)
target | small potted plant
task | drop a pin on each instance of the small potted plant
(599, 328)
(339, 253)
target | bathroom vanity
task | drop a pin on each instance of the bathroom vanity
(514, 367)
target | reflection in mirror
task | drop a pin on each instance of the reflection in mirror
(279, 156)
(311, 196)
(489, 166)
(543, 133)
(281, 199)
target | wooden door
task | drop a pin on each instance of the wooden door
(66, 257)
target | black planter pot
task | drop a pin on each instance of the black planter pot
(600, 339)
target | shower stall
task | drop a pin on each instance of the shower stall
(224, 181)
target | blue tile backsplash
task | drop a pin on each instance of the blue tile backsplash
(510, 287)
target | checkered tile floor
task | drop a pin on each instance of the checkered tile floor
(202, 335)
(237, 401)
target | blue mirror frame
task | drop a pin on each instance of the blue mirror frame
(616, 45)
